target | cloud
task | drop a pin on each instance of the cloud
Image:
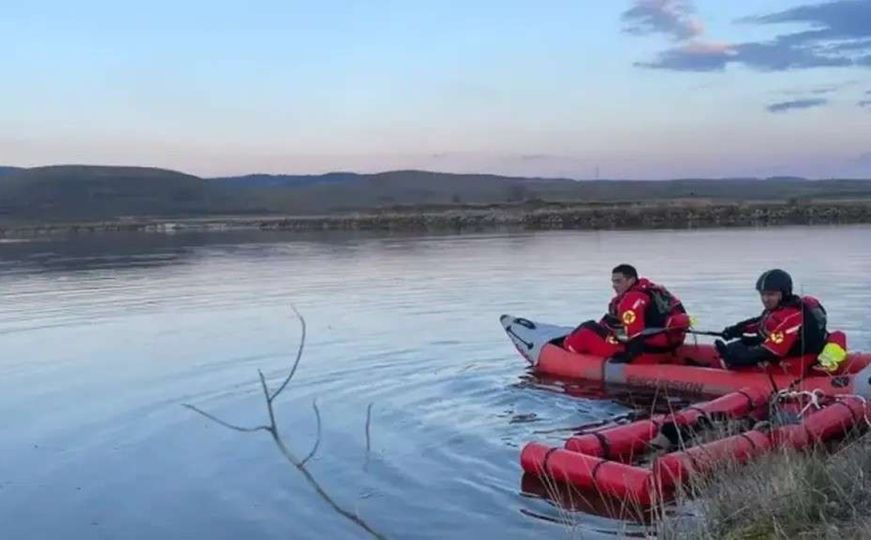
(819, 90)
(854, 45)
(776, 57)
(693, 56)
(672, 17)
(785, 106)
(865, 103)
(839, 36)
(838, 19)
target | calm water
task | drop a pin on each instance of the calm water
(103, 338)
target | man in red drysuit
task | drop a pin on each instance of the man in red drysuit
(642, 318)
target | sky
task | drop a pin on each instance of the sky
(644, 89)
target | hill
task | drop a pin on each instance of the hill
(93, 193)
(76, 192)
(283, 180)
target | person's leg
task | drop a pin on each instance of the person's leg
(592, 338)
(739, 354)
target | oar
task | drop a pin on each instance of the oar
(705, 333)
(647, 332)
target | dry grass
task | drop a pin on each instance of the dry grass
(781, 495)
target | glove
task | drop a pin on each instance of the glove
(732, 332)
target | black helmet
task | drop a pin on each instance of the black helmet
(775, 280)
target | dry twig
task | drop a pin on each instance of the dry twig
(272, 428)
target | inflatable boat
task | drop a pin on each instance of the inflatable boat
(606, 460)
(693, 369)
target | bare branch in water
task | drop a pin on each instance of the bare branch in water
(272, 428)
(298, 356)
(222, 422)
(314, 449)
(320, 490)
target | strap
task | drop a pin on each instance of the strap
(603, 442)
(595, 469)
(695, 408)
(749, 439)
(750, 403)
(547, 455)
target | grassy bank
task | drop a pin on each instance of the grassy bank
(785, 495)
(526, 216)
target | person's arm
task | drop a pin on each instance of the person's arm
(747, 326)
(784, 335)
(631, 313)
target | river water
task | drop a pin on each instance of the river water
(103, 338)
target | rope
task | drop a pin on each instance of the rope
(814, 397)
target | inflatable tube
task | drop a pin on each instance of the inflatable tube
(676, 468)
(742, 402)
(611, 478)
(610, 473)
(623, 443)
(830, 422)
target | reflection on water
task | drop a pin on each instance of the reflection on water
(104, 336)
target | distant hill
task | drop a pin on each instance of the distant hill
(416, 188)
(77, 192)
(283, 180)
(83, 193)
(8, 170)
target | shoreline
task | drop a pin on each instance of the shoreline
(530, 216)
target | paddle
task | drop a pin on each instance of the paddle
(647, 332)
(705, 333)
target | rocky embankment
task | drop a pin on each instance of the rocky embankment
(518, 217)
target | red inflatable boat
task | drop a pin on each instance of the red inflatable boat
(693, 369)
(605, 460)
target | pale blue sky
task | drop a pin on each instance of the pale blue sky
(551, 88)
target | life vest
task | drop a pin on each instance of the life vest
(661, 307)
(818, 316)
(795, 328)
